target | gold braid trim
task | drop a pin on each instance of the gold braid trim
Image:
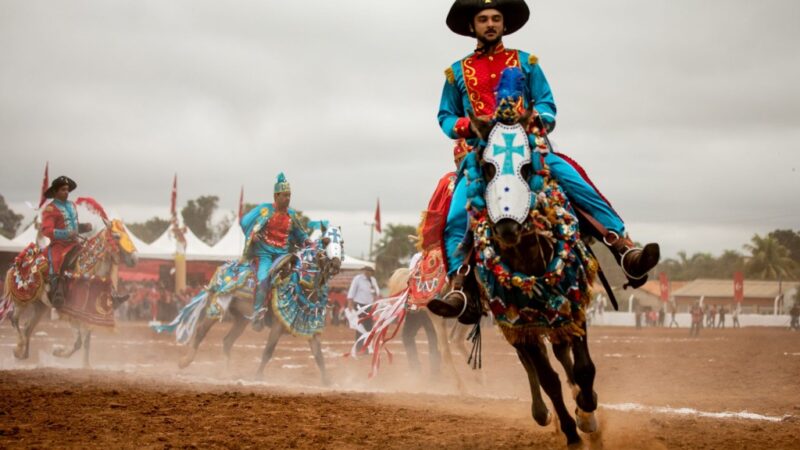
(533, 60)
(451, 77)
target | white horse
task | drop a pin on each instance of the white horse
(88, 301)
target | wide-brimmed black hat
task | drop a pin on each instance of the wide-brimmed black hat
(57, 183)
(515, 14)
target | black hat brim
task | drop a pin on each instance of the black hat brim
(57, 183)
(515, 15)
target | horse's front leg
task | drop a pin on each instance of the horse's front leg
(316, 350)
(539, 410)
(24, 333)
(199, 335)
(275, 334)
(440, 326)
(584, 377)
(87, 342)
(20, 351)
(537, 354)
(239, 325)
(62, 352)
(561, 350)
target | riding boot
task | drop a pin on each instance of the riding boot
(56, 293)
(118, 299)
(635, 262)
(459, 301)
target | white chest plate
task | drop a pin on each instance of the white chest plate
(508, 195)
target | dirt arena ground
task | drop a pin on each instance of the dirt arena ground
(657, 388)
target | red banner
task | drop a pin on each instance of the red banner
(45, 184)
(738, 287)
(664, 285)
(378, 217)
(173, 210)
(241, 203)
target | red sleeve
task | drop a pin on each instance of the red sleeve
(462, 128)
(50, 219)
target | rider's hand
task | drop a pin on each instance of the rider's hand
(480, 125)
(72, 235)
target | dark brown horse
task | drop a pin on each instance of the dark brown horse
(527, 252)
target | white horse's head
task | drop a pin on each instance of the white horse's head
(334, 247)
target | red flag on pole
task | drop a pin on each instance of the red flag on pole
(45, 183)
(378, 216)
(663, 283)
(738, 287)
(241, 203)
(174, 198)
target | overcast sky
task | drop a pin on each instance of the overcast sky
(686, 113)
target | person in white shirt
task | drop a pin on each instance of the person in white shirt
(363, 291)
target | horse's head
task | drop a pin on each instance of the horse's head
(116, 234)
(506, 169)
(333, 250)
(505, 160)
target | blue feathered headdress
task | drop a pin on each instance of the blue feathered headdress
(282, 185)
(510, 95)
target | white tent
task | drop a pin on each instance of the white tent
(165, 246)
(231, 245)
(6, 245)
(27, 236)
(351, 263)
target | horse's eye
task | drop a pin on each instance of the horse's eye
(116, 236)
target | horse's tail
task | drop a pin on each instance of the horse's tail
(185, 322)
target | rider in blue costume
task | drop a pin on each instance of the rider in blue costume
(470, 88)
(271, 230)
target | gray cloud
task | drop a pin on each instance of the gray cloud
(682, 111)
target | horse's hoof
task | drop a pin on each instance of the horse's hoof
(575, 444)
(326, 381)
(259, 376)
(548, 420)
(20, 354)
(184, 362)
(587, 422)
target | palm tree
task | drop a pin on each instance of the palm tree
(394, 249)
(769, 260)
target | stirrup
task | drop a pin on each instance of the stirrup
(463, 296)
(622, 264)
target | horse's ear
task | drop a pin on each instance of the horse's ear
(326, 241)
(525, 118)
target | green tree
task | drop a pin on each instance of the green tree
(789, 239)
(198, 217)
(393, 250)
(728, 263)
(769, 260)
(9, 220)
(150, 230)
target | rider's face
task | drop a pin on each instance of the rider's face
(488, 26)
(62, 193)
(282, 200)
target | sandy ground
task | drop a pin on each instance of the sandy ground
(657, 389)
